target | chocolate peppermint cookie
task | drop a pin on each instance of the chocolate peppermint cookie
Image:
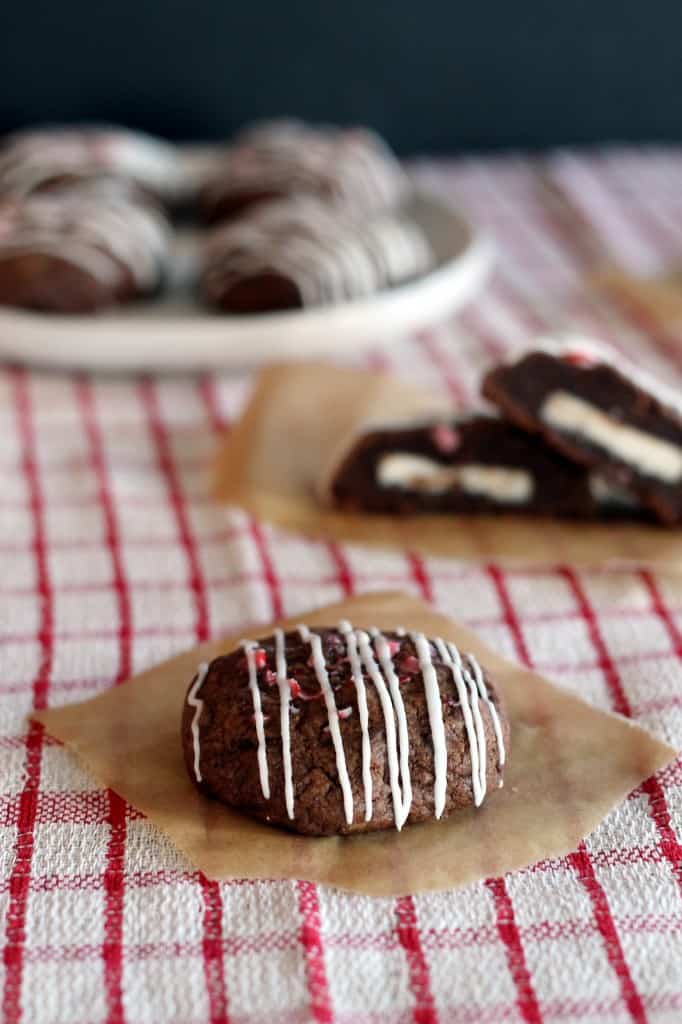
(467, 466)
(80, 249)
(350, 167)
(602, 412)
(338, 730)
(40, 159)
(302, 252)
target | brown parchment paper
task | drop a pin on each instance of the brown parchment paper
(300, 417)
(657, 300)
(569, 764)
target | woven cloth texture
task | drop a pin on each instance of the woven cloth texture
(113, 557)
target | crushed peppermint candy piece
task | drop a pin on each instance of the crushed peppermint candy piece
(270, 677)
(260, 658)
(393, 647)
(578, 358)
(294, 688)
(409, 664)
(342, 713)
(445, 438)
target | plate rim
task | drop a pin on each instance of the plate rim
(242, 342)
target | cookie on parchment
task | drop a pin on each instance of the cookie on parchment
(338, 730)
(601, 411)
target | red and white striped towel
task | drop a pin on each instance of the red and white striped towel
(113, 557)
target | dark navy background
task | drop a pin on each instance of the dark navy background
(433, 75)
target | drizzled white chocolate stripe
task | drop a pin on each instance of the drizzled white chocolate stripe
(346, 630)
(370, 654)
(478, 720)
(194, 702)
(475, 670)
(284, 695)
(435, 709)
(382, 650)
(377, 679)
(463, 697)
(248, 646)
(320, 667)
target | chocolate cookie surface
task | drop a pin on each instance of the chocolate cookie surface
(602, 412)
(478, 465)
(335, 730)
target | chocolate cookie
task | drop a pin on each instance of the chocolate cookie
(332, 731)
(301, 252)
(350, 167)
(80, 249)
(32, 161)
(602, 412)
(476, 465)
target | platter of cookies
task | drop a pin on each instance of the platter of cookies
(120, 251)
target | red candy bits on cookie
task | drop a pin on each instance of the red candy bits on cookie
(445, 438)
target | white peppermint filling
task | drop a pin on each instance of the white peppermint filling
(419, 473)
(649, 455)
(607, 493)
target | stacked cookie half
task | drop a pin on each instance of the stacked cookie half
(583, 433)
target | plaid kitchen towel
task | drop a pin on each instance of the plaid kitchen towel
(113, 557)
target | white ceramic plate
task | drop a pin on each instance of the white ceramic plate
(174, 333)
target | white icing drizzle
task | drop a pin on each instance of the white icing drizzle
(475, 670)
(435, 709)
(356, 670)
(375, 675)
(463, 695)
(249, 647)
(194, 702)
(386, 662)
(320, 667)
(478, 720)
(284, 695)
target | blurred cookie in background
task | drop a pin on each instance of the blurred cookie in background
(76, 250)
(351, 167)
(297, 253)
(40, 159)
